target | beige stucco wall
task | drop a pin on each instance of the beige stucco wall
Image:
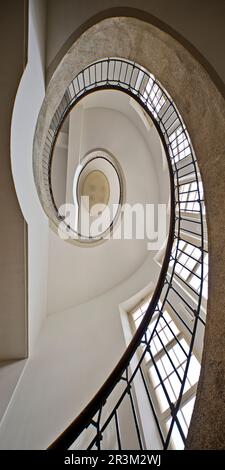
(202, 108)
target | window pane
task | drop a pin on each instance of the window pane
(153, 376)
(194, 370)
(161, 397)
(176, 440)
(136, 313)
(187, 410)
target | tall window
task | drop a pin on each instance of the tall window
(190, 197)
(154, 97)
(188, 267)
(179, 144)
(164, 368)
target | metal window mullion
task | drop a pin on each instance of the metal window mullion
(161, 381)
(179, 316)
(152, 406)
(165, 352)
(158, 355)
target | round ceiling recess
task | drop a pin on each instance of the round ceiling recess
(96, 188)
(98, 192)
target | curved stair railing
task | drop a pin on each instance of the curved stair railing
(181, 285)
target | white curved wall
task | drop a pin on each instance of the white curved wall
(27, 104)
(79, 346)
(45, 399)
(76, 351)
(78, 275)
(66, 368)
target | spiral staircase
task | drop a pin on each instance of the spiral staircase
(180, 288)
(147, 399)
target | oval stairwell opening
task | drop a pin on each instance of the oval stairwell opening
(165, 352)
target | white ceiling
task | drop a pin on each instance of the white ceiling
(77, 275)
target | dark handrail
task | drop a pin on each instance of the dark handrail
(66, 439)
(143, 87)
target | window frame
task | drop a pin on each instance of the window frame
(188, 395)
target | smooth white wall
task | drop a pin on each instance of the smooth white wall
(10, 372)
(77, 275)
(28, 101)
(76, 351)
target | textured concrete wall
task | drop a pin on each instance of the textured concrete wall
(199, 24)
(202, 108)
